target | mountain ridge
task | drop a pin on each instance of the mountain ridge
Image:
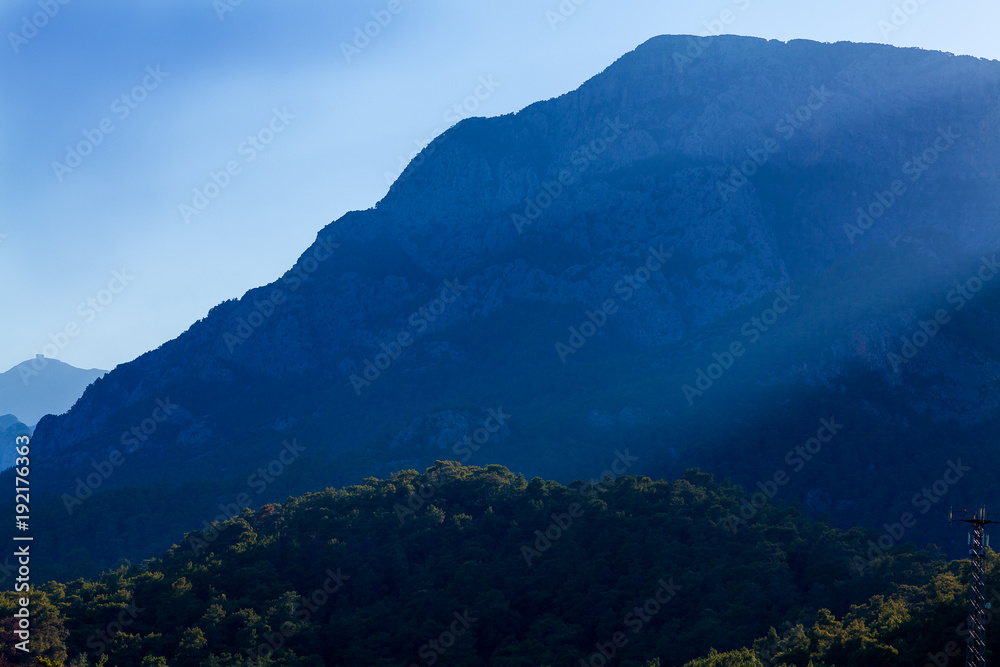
(653, 150)
(41, 386)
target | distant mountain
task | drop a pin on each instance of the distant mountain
(10, 429)
(43, 386)
(774, 261)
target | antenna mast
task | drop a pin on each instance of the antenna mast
(978, 541)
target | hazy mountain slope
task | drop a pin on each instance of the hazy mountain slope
(10, 430)
(653, 222)
(42, 386)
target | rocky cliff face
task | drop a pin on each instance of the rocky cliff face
(595, 254)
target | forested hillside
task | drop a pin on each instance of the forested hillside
(479, 566)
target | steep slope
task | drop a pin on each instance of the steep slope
(702, 252)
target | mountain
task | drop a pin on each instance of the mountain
(470, 566)
(43, 386)
(770, 260)
(10, 430)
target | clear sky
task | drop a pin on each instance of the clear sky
(155, 96)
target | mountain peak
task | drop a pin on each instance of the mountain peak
(612, 251)
(41, 386)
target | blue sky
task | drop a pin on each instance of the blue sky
(182, 86)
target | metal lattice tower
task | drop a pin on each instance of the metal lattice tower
(978, 541)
